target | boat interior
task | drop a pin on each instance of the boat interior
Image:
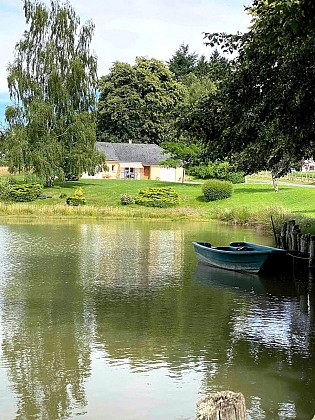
(234, 246)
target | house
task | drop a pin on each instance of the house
(308, 165)
(135, 161)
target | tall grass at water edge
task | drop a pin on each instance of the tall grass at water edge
(263, 219)
(108, 212)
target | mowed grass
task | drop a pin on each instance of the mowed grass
(249, 203)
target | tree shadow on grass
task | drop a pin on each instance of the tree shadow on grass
(201, 199)
(73, 184)
(258, 190)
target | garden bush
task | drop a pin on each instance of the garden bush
(235, 177)
(126, 199)
(4, 189)
(77, 199)
(158, 197)
(215, 189)
(23, 192)
(218, 170)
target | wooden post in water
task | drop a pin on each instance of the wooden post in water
(290, 227)
(299, 241)
(226, 405)
(305, 240)
(294, 238)
(283, 239)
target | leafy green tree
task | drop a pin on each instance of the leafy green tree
(52, 82)
(182, 62)
(267, 102)
(182, 153)
(137, 102)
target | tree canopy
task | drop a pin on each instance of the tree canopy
(182, 62)
(263, 116)
(137, 102)
(52, 82)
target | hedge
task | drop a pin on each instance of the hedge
(217, 190)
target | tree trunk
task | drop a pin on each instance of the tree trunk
(49, 181)
(275, 183)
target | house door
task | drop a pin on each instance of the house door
(146, 172)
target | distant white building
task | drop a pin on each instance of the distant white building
(308, 165)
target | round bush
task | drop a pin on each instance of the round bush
(217, 190)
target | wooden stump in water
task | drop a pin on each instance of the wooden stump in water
(226, 405)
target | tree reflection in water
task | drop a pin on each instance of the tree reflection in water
(82, 303)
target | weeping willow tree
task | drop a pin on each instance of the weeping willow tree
(52, 84)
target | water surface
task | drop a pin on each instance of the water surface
(117, 320)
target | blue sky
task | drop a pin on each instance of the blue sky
(129, 28)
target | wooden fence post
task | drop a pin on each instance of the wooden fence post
(294, 238)
(290, 227)
(226, 405)
(283, 241)
(305, 239)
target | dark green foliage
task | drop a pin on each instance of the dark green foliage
(235, 177)
(137, 102)
(76, 201)
(182, 154)
(264, 115)
(182, 62)
(218, 170)
(23, 192)
(126, 199)
(4, 188)
(217, 190)
(158, 197)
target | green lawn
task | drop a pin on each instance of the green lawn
(250, 203)
(253, 196)
(101, 193)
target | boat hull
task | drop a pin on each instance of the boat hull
(238, 256)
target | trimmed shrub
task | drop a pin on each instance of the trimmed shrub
(77, 199)
(126, 199)
(215, 189)
(158, 197)
(23, 192)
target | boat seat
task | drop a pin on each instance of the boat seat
(207, 244)
(244, 248)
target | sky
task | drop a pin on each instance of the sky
(125, 29)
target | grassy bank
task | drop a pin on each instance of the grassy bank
(250, 203)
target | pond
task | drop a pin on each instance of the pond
(117, 320)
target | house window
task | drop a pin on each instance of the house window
(113, 167)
